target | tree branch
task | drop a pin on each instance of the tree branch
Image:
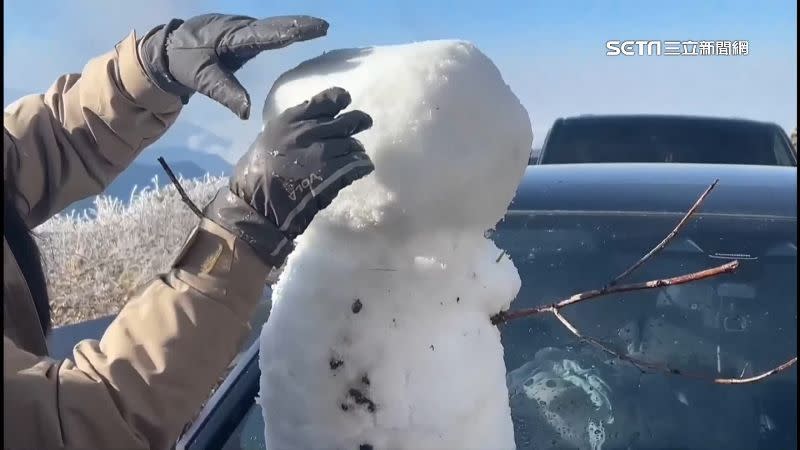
(684, 220)
(663, 368)
(583, 296)
(179, 188)
(613, 287)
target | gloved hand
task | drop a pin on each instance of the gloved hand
(201, 54)
(294, 169)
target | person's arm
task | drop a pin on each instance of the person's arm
(158, 360)
(72, 141)
(156, 363)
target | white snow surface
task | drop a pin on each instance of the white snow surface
(379, 335)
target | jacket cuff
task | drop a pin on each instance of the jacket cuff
(231, 212)
(136, 82)
(223, 267)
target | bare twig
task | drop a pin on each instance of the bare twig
(646, 365)
(583, 296)
(614, 287)
(178, 186)
(684, 220)
(758, 377)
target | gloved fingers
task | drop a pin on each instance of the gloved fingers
(343, 171)
(245, 37)
(361, 166)
(326, 152)
(275, 32)
(207, 29)
(335, 148)
(349, 167)
(325, 104)
(219, 84)
(342, 126)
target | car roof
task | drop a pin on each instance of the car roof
(664, 117)
(658, 187)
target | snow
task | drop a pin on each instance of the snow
(554, 393)
(379, 335)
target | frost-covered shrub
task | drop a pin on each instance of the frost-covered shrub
(93, 262)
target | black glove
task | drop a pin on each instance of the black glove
(294, 169)
(201, 54)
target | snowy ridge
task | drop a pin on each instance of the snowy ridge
(379, 336)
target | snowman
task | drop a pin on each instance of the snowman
(380, 335)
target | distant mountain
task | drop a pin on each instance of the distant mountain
(181, 135)
(193, 137)
(189, 149)
(140, 175)
(209, 162)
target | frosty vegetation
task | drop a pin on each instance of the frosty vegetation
(94, 264)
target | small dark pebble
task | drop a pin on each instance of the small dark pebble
(362, 399)
(344, 407)
(365, 380)
(458, 299)
(432, 347)
(336, 363)
(356, 308)
(498, 318)
(356, 394)
(365, 447)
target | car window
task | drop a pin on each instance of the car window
(783, 152)
(567, 395)
(644, 140)
(249, 434)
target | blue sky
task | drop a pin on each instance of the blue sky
(552, 54)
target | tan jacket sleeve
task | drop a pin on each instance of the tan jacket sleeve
(139, 385)
(71, 142)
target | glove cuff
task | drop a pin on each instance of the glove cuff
(229, 211)
(153, 56)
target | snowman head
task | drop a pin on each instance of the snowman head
(450, 141)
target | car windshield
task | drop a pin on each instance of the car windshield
(677, 140)
(565, 394)
(731, 326)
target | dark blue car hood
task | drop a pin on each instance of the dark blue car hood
(661, 187)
